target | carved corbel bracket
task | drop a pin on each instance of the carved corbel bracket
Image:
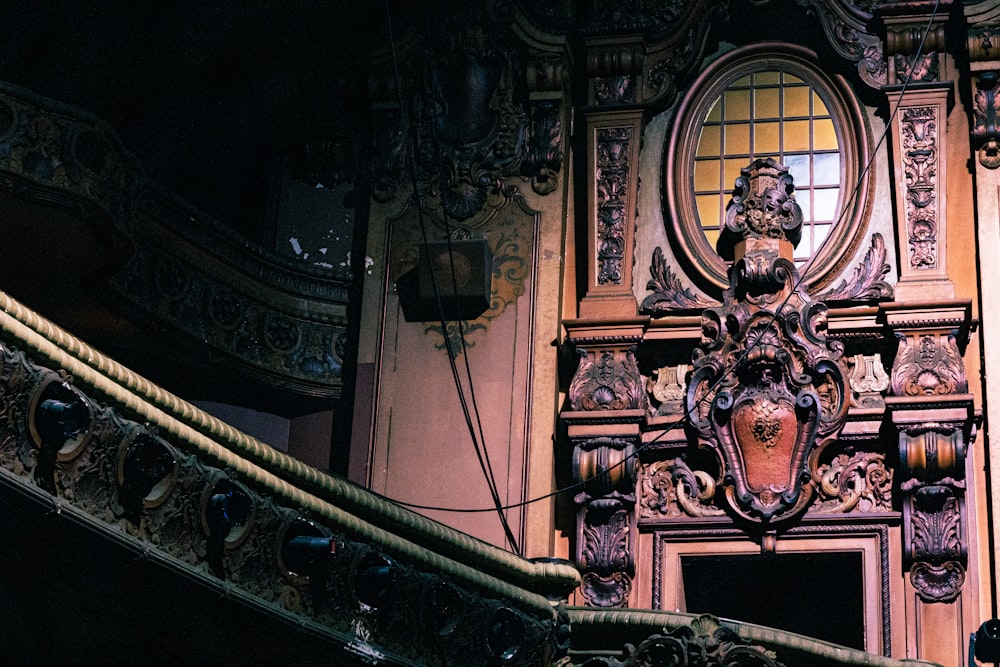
(606, 525)
(546, 75)
(607, 407)
(912, 27)
(614, 68)
(936, 422)
(985, 131)
(933, 441)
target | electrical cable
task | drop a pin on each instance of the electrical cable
(682, 419)
(483, 463)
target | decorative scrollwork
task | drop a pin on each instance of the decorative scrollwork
(670, 489)
(613, 151)
(768, 389)
(859, 482)
(705, 642)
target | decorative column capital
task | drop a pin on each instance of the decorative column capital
(913, 26)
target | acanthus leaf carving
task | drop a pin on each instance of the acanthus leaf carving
(607, 380)
(866, 283)
(667, 292)
(928, 364)
(935, 540)
(613, 153)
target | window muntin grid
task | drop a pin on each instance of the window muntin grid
(770, 113)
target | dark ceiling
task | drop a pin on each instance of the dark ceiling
(206, 94)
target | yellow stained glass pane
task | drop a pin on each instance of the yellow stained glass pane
(713, 237)
(709, 212)
(715, 113)
(743, 82)
(765, 103)
(819, 108)
(737, 104)
(824, 135)
(732, 170)
(737, 139)
(796, 135)
(796, 101)
(710, 142)
(790, 78)
(706, 175)
(769, 78)
(767, 139)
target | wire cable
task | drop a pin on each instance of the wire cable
(682, 419)
(482, 460)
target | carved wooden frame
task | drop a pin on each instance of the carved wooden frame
(871, 540)
(688, 241)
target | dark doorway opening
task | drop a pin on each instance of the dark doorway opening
(819, 595)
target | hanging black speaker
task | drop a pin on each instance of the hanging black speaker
(459, 273)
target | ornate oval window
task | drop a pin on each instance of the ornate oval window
(768, 100)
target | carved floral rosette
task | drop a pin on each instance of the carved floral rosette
(768, 391)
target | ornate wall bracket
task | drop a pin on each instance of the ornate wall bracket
(768, 390)
(933, 441)
(607, 401)
(985, 128)
(936, 422)
(606, 516)
(914, 40)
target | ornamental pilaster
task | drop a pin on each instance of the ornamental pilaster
(919, 147)
(613, 140)
(920, 92)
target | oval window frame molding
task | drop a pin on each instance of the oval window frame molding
(699, 259)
